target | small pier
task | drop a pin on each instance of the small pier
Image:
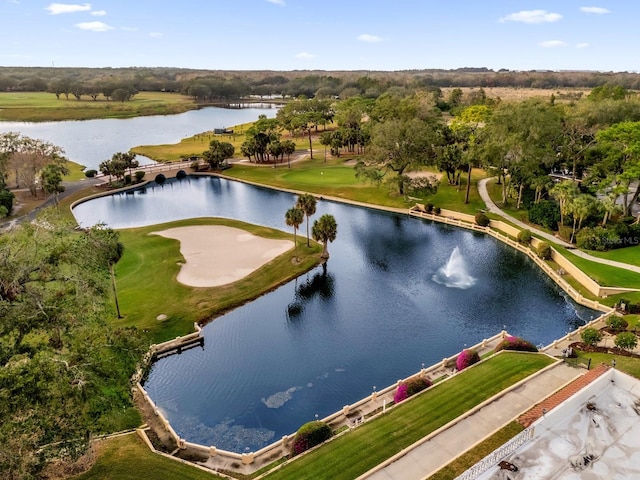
(178, 345)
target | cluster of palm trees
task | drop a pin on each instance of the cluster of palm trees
(324, 229)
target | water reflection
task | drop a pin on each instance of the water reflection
(319, 342)
(90, 142)
(321, 284)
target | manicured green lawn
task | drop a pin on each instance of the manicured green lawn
(336, 178)
(356, 452)
(323, 176)
(76, 172)
(333, 178)
(630, 255)
(127, 457)
(42, 106)
(495, 192)
(359, 450)
(147, 285)
(452, 197)
(605, 275)
(628, 365)
(197, 144)
(633, 321)
(194, 146)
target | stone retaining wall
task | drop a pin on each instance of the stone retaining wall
(350, 416)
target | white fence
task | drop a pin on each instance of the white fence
(497, 455)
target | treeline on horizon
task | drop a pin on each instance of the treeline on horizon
(209, 85)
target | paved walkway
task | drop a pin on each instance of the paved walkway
(493, 208)
(437, 451)
(557, 398)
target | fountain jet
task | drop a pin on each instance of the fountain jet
(454, 273)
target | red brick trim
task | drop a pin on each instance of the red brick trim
(555, 399)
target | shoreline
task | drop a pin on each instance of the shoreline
(449, 217)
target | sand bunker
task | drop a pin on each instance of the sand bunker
(216, 255)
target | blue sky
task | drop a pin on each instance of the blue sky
(328, 35)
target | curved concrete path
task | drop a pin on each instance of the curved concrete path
(493, 208)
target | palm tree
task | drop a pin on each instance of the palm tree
(324, 230)
(307, 203)
(581, 207)
(540, 183)
(294, 217)
(564, 192)
(608, 204)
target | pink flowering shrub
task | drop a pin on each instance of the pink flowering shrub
(309, 435)
(411, 387)
(401, 393)
(466, 358)
(516, 343)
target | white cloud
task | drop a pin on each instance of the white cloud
(532, 16)
(94, 26)
(98, 13)
(277, 2)
(305, 55)
(58, 8)
(582, 45)
(155, 34)
(552, 44)
(365, 37)
(596, 10)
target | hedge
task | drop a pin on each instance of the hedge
(517, 344)
(309, 435)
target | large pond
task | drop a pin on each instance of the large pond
(90, 142)
(378, 312)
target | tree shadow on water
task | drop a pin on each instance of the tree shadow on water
(321, 285)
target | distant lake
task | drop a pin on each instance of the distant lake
(315, 344)
(90, 142)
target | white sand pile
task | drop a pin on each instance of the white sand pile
(216, 255)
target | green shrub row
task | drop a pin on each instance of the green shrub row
(624, 339)
(431, 209)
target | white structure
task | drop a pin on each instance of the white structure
(594, 434)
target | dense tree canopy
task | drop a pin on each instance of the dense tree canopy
(64, 369)
(303, 115)
(620, 168)
(399, 144)
(520, 143)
